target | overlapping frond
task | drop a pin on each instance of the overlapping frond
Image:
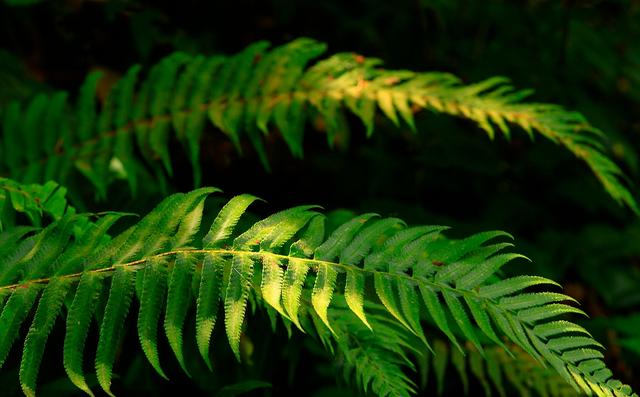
(247, 94)
(360, 353)
(378, 360)
(414, 273)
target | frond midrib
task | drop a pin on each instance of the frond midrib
(312, 263)
(510, 113)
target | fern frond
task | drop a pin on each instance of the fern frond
(287, 261)
(253, 91)
(378, 359)
(375, 358)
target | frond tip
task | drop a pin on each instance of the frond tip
(249, 93)
(288, 263)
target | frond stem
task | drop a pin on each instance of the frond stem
(313, 263)
(455, 107)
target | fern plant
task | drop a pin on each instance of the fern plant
(288, 263)
(396, 307)
(247, 93)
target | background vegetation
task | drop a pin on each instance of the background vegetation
(582, 54)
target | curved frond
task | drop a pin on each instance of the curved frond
(249, 93)
(417, 277)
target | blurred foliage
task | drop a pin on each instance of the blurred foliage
(582, 54)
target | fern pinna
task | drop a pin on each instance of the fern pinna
(248, 93)
(412, 276)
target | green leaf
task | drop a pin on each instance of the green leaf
(524, 301)
(354, 294)
(178, 299)
(435, 308)
(159, 105)
(272, 280)
(511, 285)
(74, 257)
(151, 303)
(312, 237)
(481, 273)
(461, 318)
(384, 289)
(78, 320)
(226, 221)
(46, 314)
(293, 282)
(411, 309)
(547, 311)
(235, 301)
(558, 327)
(385, 102)
(323, 291)
(86, 105)
(339, 239)
(191, 217)
(570, 342)
(273, 231)
(13, 314)
(195, 118)
(481, 318)
(123, 146)
(209, 298)
(372, 234)
(112, 324)
(278, 236)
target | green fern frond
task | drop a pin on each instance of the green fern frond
(249, 93)
(288, 261)
(376, 358)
